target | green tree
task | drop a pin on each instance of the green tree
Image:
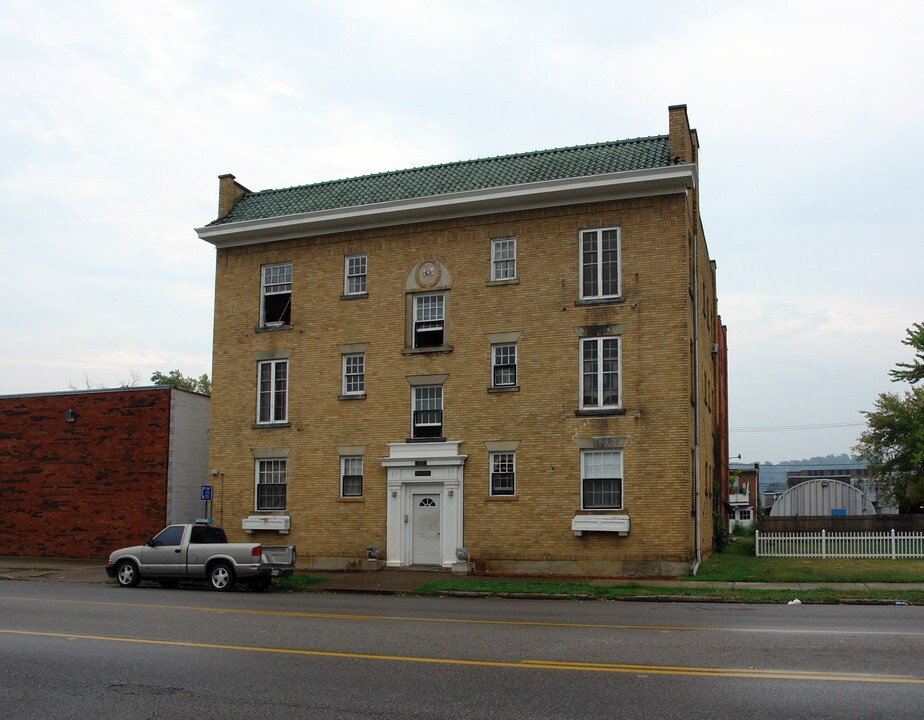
(893, 442)
(176, 379)
(912, 372)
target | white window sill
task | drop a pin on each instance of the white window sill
(613, 300)
(581, 524)
(599, 412)
(279, 523)
(423, 350)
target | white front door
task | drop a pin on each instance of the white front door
(425, 530)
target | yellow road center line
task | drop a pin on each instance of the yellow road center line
(469, 621)
(526, 664)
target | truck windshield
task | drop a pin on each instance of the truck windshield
(172, 535)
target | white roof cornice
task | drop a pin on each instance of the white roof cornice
(571, 191)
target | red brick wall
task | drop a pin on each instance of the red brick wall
(85, 488)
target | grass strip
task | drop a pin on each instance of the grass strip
(640, 591)
(737, 563)
(297, 581)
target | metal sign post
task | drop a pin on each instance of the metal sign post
(205, 494)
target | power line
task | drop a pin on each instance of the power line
(792, 428)
(800, 466)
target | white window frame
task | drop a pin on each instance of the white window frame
(496, 458)
(596, 270)
(274, 469)
(269, 289)
(586, 470)
(275, 413)
(495, 349)
(500, 271)
(417, 399)
(351, 277)
(599, 374)
(418, 306)
(351, 461)
(355, 378)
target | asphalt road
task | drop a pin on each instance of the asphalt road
(75, 651)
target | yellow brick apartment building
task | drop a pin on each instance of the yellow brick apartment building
(507, 364)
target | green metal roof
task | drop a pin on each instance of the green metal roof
(468, 175)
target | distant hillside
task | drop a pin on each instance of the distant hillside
(775, 473)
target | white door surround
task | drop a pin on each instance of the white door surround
(416, 471)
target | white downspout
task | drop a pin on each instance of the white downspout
(696, 390)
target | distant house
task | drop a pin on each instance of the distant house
(742, 497)
(84, 472)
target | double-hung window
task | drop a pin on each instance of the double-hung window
(354, 374)
(272, 391)
(503, 258)
(601, 480)
(354, 275)
(351, 476)
(429, 319)
(599, 373)
(271, 485)
(600, 263)
(503, 473)
(276, 295)
(427, 421)
(504, 365)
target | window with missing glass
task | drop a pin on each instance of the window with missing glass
(276, 295)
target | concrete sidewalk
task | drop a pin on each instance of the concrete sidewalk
(392, 581)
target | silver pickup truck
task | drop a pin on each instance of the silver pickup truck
(200, 552)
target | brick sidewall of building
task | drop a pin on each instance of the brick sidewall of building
(84, 488)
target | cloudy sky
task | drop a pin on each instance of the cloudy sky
(117, 117)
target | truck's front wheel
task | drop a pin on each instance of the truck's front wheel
(127, 574)
(221, 577)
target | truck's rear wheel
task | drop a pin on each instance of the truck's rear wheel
(221, 577)
(127, 574)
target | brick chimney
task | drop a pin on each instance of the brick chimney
(684, 142)
(228, 193)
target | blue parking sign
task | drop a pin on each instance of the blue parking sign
(206, 492)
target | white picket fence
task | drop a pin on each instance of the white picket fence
(840, 544)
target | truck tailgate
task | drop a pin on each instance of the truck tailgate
(279, 555)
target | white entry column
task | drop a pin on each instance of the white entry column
(415, 469)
